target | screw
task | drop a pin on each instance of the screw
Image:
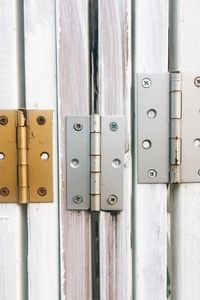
(3, 120)
(4, 191)
(78, 199)
(197, 81)
(199, 172)
(152, 173)
(113, 126)
(112, 199)
(78, 126)
(41, 120)
(42, 191)
(146, 82)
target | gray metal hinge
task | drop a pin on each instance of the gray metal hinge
(168, 127)
(95, 162)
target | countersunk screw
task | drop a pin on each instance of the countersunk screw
(3, 120)
(152, 173)
(113, 126)
(78, 126)
(146, 82)
(197, 81)
(78, 199)
(42, 191)
(4, 191)
(112, 199)
(41, 120)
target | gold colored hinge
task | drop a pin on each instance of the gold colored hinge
(26, 156)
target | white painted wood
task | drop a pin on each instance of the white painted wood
(73, 94)
(12, 242)
(40, 72)
(150, 201)
(185, 198)
(114, 97)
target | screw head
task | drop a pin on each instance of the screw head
(197, 81)
(42, 191)
(199, 172)
(3, 120)
(41, 120)
(4, 191)
(146, 82)
(113, 126)
(112, 199)
(152, 173)
(78, 126)
(78, 199)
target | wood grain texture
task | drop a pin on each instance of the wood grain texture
(150, 203)
(114, 97)
(12, 242)
(185, 198)
(73, 77)
(40, 72)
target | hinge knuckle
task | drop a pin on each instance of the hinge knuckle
(22, 157)
(95, 162)
(175, 126)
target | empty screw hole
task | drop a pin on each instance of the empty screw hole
(152, 113)
(116, 163)
(146, 144)
(75, 163)
(197, 143)
(2, 155)
(44, 156)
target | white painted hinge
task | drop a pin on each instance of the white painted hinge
(168, 127)
(95, 162)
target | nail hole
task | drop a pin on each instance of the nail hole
(2, 155)
(152, 113)
(197, 143)
(75, 163)
(146, 144)
(116, 163)
(44, 156)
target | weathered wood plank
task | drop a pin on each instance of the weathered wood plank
(12, 240)
(150, 204)
(40, 72)
(114, 97)
(185, 198)
(73, 77)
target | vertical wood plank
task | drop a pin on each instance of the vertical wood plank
(185, 198)
(40, 72)
(12, 241)
(150, 203)
(114, 97)
(73, 90)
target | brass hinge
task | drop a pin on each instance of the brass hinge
(26, 156)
